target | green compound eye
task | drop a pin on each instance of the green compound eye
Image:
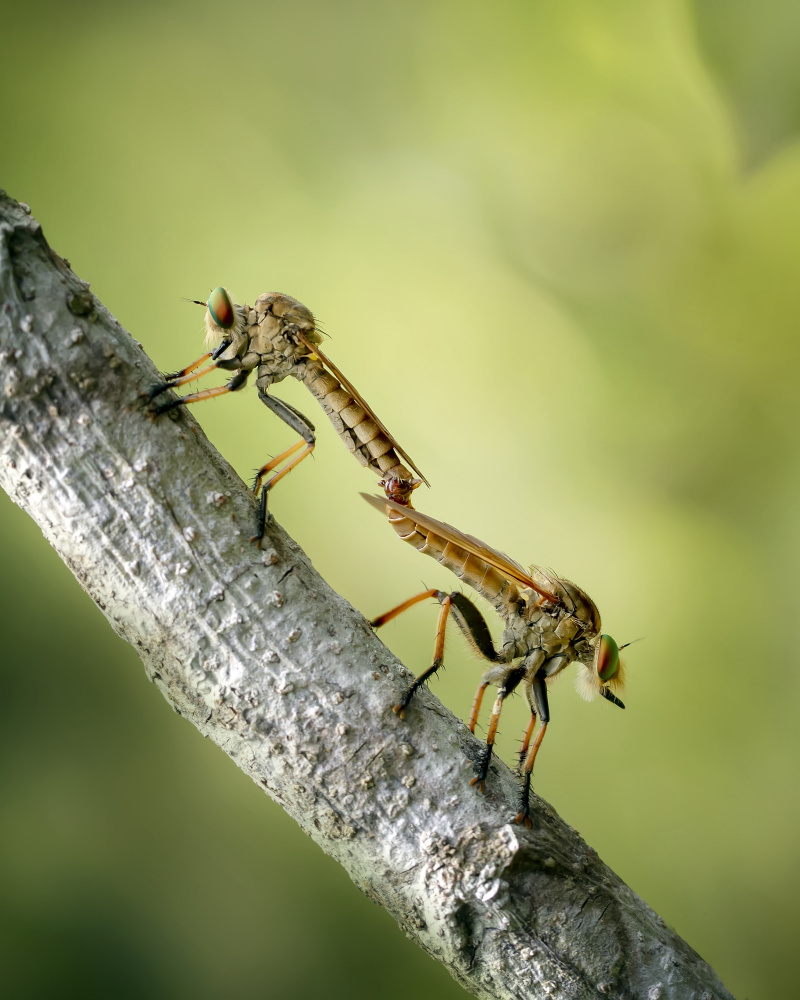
(606, 658)
(221, 308)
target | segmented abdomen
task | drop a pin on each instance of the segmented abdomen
(491, 584)
(353, 423)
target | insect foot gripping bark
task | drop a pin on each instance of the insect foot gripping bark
(549, 623)
(276, 338)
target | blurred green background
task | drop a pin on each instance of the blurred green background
(557, 245)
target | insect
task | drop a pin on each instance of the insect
(279, 337)
(549, 623)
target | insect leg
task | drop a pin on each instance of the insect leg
(469, 620)
(476, 705)
(220, 349)
(299, 423)
(537, 696)
(547, 668)
(238, 380)
(506, 679)
(475, 630)
(190, 376)
(438, 652)
(295, 419)
(176, 378)
(523, 750)
(388, 615)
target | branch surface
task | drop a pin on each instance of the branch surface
(257, 652)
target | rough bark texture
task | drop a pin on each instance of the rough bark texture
(258, 653)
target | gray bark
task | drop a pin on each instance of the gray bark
(262, 657)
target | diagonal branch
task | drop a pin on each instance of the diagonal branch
(262, 657)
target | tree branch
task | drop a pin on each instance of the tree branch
(262, 657)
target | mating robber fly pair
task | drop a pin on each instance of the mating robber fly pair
(548, 622)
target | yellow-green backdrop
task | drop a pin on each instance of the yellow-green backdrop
(557, 246)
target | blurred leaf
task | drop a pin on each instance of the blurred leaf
(752, 49)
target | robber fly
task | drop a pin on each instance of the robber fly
(279, 337)
(549, 623)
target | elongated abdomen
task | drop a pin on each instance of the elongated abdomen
(487, 581)
(360, 433)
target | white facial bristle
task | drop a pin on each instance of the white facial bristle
(587, 683)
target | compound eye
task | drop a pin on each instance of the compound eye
(221, 308)
(606, 658)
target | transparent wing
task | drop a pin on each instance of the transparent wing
(497, 560)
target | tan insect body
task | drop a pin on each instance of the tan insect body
(277, 338)
(548, 624)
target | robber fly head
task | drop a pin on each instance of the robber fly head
(224, 317)
(605, 674)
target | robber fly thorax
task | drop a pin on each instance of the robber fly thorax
(262, 338)
(276, 338)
